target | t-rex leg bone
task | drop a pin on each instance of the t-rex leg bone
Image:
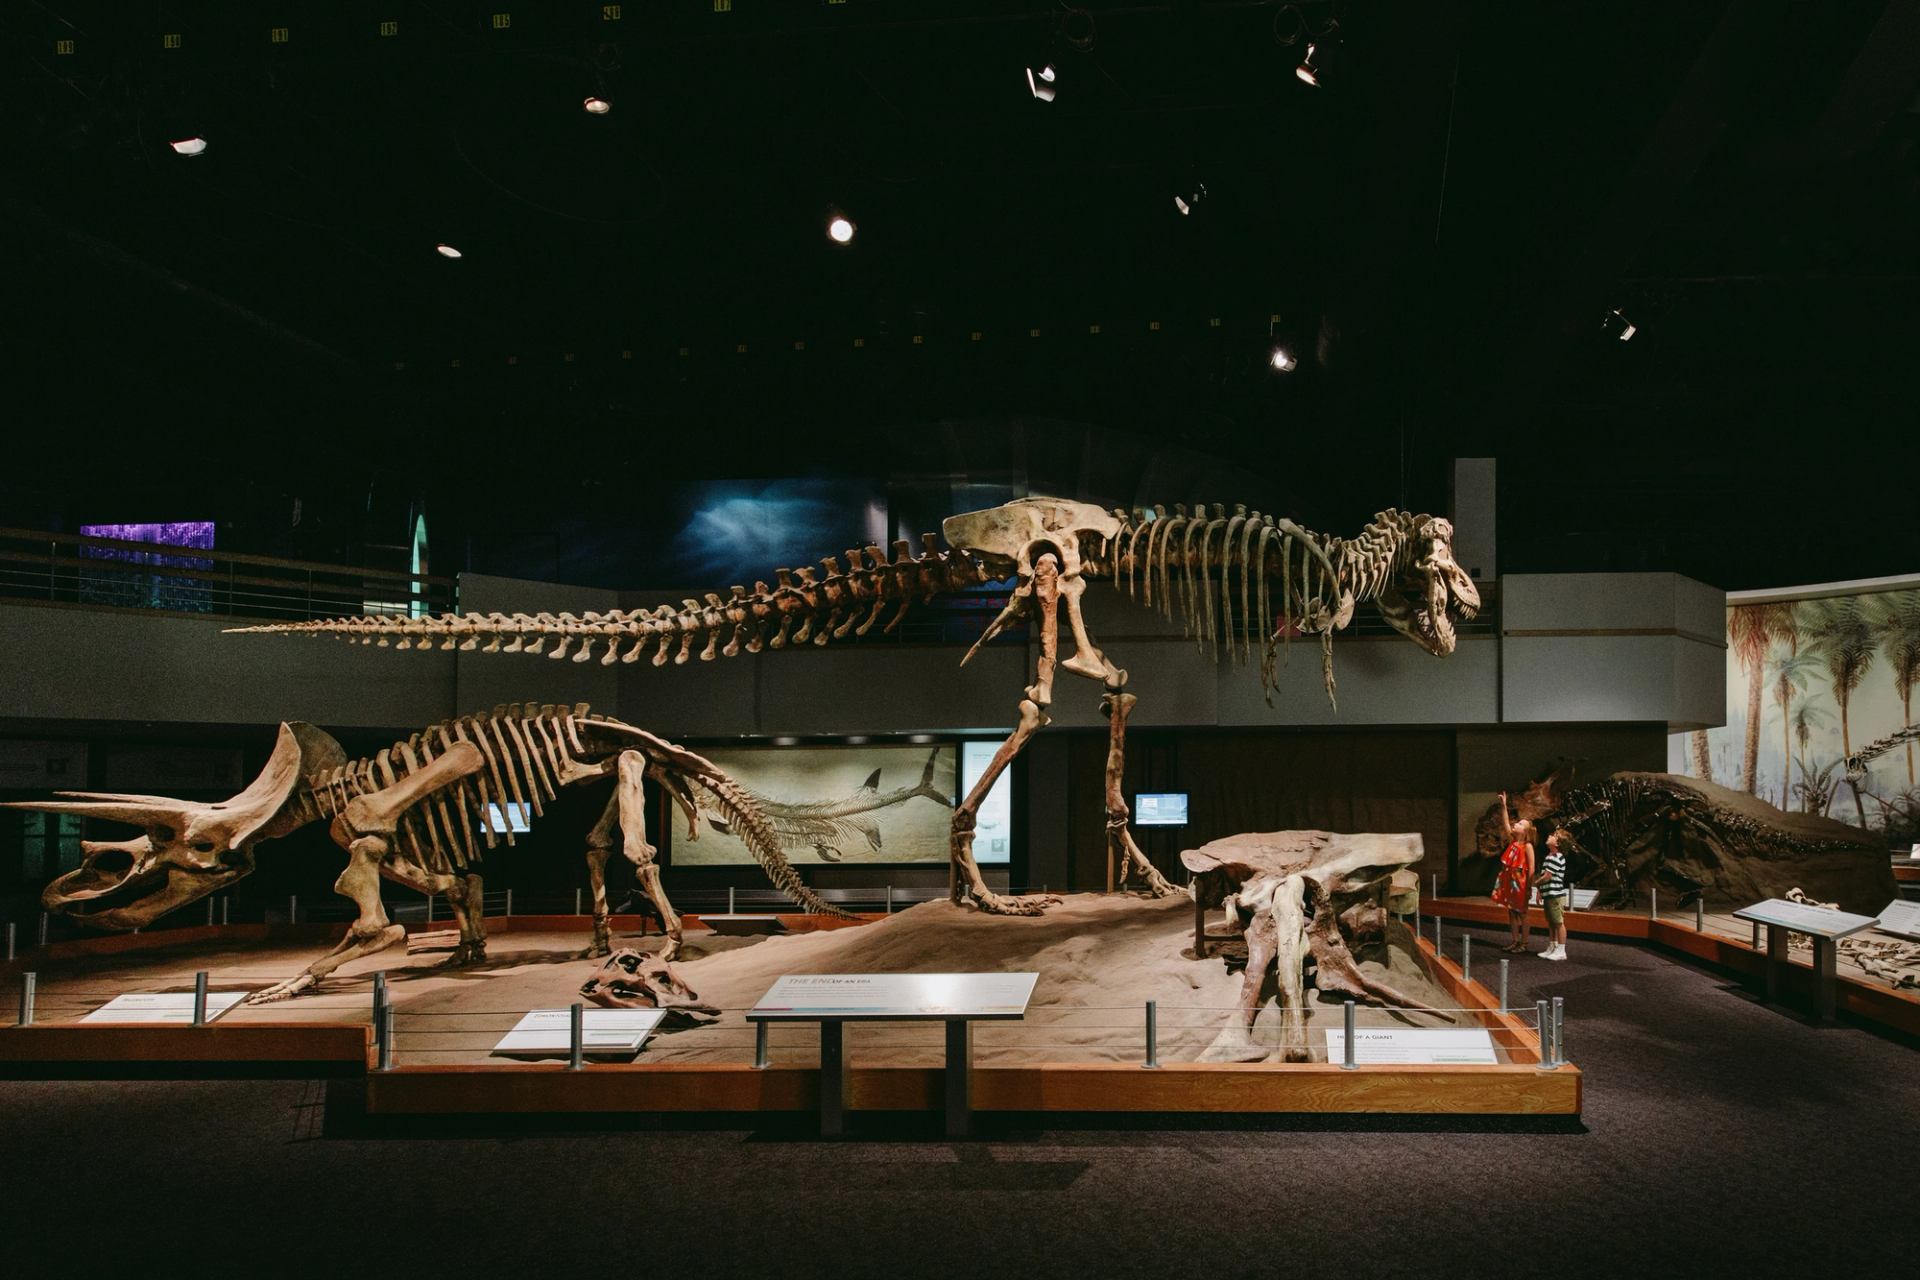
(1116, 704)
(365, 829)
(630, 794)
(370, 932)
(599, 848)
(964, 879)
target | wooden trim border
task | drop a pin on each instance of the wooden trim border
(227, 1044)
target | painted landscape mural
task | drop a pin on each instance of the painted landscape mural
(1820, 708)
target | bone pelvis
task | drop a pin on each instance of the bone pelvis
(189, 848)
(1014, 534)
(1300, 895)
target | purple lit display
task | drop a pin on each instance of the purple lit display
(132, 589)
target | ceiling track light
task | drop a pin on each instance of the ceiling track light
(447, 251)
(1043, 83)
(193, 146)
(1187, 202)
(1618, 326)
(840, 228)
(1291, 26)
(596, 106)
(1281, 360)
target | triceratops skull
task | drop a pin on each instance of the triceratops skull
(189, 848)
(641, 980)
(1430, 591)
(1295, 893)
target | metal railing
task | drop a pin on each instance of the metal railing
(70, 568)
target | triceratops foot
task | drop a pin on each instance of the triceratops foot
(284, 990)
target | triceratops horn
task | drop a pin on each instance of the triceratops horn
(144, 812)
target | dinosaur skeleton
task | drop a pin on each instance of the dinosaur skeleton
(420, 813)
(1236, 580)
(1295, 895)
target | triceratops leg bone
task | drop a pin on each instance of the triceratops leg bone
(1290, 963)
(370, 932)
(1235, 1043)
(599, 848)
(964, 881)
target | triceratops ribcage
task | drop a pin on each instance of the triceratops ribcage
(422, 812)
(1233, 578)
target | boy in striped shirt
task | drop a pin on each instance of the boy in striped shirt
(1554, 893)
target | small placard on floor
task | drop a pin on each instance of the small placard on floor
(604, 1033)
(1414, 1045)
(172, 1007)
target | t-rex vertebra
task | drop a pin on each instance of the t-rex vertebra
(422, 813)
(1235, 577)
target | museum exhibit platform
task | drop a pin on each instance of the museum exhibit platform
(1716, 938)
(1083, 1047)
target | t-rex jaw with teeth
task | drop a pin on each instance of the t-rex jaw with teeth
(1235, 579)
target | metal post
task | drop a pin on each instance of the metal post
(209, 913)
(577, 900)
(889, 899)
(1153, 1036)
(1436, 884)
(1653, 903)
(1700, 915)
(1466, 957)
(293, 908)
(26, 998)
(429, 908)
(577, 1037)
(1438, 950)
(382, 1023)
(43, 928)
(1559, 1031)
(200, 998)
(1543, 1020)
(509, 902)
(729, 899)
(1353, 1035)
(225, 909)
(9, 939)
(759, 1046)
(1503, 986)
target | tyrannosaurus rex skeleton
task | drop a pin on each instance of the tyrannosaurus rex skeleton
(1234, 579)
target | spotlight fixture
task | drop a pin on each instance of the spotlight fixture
(840, 229)
(1618, 325)
(189, 146)
(1187, 203)
(446, 251)
(1282, 360)
(597, 106)
(1290, 26)
(1043, 84)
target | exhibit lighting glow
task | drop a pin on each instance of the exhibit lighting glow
(1187, 204)
(841, 229)
(446, 251)
(1619, 326)
(1307, 72)
(1042, 84)
(597, 106)
(189, 146)
(1282, 360)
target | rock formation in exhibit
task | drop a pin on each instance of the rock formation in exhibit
(410, 814)
(1297, 895)
(1236, 580)
(1635, 831)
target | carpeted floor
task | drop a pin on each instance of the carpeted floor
(1720, 1137)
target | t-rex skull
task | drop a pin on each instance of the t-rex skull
(641, 980)
(190, 849)
(1430, 591)
(1295, 893)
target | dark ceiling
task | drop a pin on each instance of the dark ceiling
(648, 297)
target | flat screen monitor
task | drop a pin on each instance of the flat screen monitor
(1160, 809)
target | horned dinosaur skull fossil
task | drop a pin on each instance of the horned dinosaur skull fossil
(1295, 895)
(189, 849)
(1430, 591)
(642, 980)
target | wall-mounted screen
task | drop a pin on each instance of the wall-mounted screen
(993, 832)
(514, 818)
(834, 804)
(1160, 809)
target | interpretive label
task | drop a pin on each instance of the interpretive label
(897, 995)
(603, 1032)
(1450, 1045)
(173, 1007)
(1902, 918)
(1819, 922)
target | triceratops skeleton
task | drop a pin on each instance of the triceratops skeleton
(410, 814)
(1233, 578)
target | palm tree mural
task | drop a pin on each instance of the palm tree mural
(1841, 634)
(1896, 620)
(1751, 631)
(1809, 718)
(1790, 675)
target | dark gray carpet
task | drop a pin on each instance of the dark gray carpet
(1720, 1136)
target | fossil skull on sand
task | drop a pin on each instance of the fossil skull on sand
(1295, 895)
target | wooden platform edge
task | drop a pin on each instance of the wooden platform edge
(1090, 1087)
(239, 1043)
